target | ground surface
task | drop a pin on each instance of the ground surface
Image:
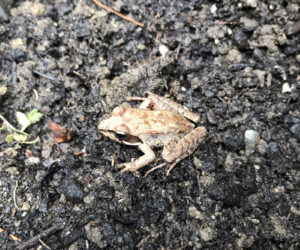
(235, 63)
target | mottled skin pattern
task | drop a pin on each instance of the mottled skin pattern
(158, 122)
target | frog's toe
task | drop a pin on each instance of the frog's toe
(121, 165)
(126, 167)
(154, 168)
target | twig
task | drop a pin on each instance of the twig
(14, 196)
(36, 94)
(118, 13)
(32, 241)
(49, 77)
(44, 244)
(13, 237)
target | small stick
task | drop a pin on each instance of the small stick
(14, 196)
(13, 237)
(135, 98)
(118, 13)
(44, 244)
(49, 77)
(32, 241)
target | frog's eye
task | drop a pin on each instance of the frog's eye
(121, 135)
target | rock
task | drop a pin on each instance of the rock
(262, 146)
(32, 161)
(141, 46)
(216, 32)
(240, 39)
(272, 147)
(93, 234)
(233, 140)
(295, 129)
(286, 88)
(226, 191)
(72, 189)
(206, 234)
(12, 171)
(234, 56)
(251, 140)
(5, 6)
(163, 49)
(213, 9)
(229, 162)
(3, 14)
(250, 3)
(88, 199)
(25, 206)
(211, 117)
(29, 8)
(3, 90)
(195, 213)
(268, 36)
(18, 43)
(11, 152)
(249, 24)
(261, 76)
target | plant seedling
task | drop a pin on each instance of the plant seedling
(19, 135)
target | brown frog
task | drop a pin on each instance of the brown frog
(158, 122)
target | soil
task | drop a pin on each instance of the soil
(235, 63)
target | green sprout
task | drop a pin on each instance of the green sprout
(19, 135)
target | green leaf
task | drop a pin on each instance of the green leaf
(32, 142)
(3, 127)
(22, 120)
(20, 138)
(9, 138)
(34, 116)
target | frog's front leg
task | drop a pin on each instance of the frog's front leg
(174, 151)
(148, 157)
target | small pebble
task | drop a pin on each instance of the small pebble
(72, 189)
(3, 90)
(195, 213)
(295, 129)
(250, 3)
(213, 9)
(251, 140)
(141, 46)
(32, 161)
(206, 234)
(211, 117)
(18, 43)
(272, 147)
(163, 49)
(286, 88)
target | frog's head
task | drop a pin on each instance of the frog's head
(113, 127)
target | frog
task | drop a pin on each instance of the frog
(157, 122)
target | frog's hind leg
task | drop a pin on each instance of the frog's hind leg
(162, 103)
(173, 165)
(174, 151)
(154, 168)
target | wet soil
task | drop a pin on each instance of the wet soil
(235, 63)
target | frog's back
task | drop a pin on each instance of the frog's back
(144, 121)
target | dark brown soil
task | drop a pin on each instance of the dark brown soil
(235, 63)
